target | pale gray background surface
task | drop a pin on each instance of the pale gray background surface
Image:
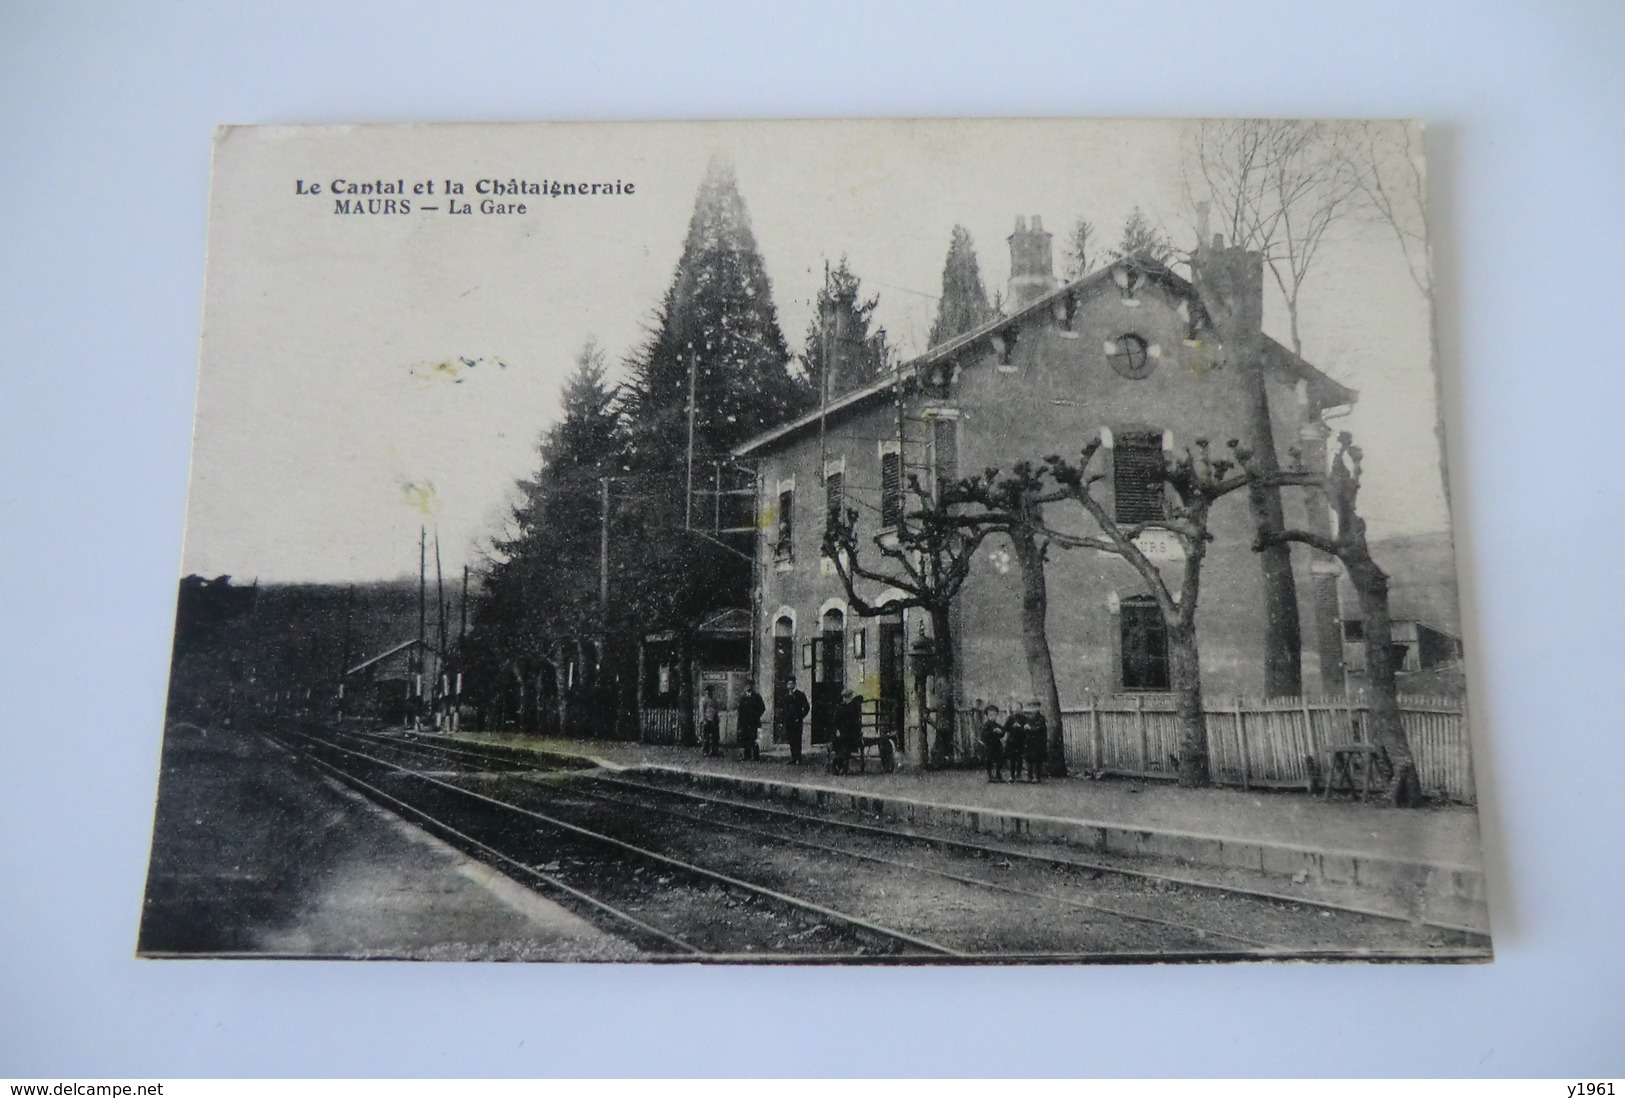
(106, 116)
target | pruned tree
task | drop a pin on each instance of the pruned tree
(1080, 249)
(1197, 481)
(1143, 239)
(1275, 186)
(1341, 487)
(1012, 504)
(928, 558)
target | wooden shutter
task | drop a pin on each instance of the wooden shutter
(945, 450)
(832, 499)
(787, 523)
(1137, 476)
(891, 489)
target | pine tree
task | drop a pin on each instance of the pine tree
(1142, 238)
(964, 305)
(540, 596)
(719, 310)
(839, 335)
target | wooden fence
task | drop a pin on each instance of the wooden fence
(1273, 742)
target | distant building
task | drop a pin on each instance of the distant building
(1426, 613)
(395, 683)
(721, 660)
(1128, 353)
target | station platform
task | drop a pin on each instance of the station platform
(1425, 860)
(257, 854)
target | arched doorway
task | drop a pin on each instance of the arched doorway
(784, 670)
(829, 673)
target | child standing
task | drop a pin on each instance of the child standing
(993, 744)
(1037, 742)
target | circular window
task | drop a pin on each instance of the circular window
(1128, 356)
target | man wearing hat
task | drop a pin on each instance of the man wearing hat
(1037, 742)
(993, 744)
(1015, 739)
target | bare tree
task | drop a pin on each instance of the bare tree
(1383, 161)
(1080, 247)
(1341, 486)
(1013, 505)
(929, 560)
(1197, 481)
(1276, 186)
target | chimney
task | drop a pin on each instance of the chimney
(1230, 281)
(1032, 268)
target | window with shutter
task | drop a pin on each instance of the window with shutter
(1137, 477)
(891, 489)
(833, 499)
(945, 450)
(1144, 644)
(785, 548)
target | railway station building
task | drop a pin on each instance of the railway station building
(1131, 353)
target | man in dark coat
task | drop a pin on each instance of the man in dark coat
(848, 732)
(1015, 740)
(796, 708)
(993, 744)
(1037, 745)
(750, 710)
(710, 723)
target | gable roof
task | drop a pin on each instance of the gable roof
(1324, 390)
(380, 657)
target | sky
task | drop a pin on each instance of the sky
(364, 375)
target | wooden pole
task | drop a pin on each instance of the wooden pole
(823, 375)
(344, 657)
(1097, 734)
(688, 497)
(1241, 742)
(440, 613)
(603, 531)
(423, 594)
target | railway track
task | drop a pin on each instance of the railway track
(618, 847)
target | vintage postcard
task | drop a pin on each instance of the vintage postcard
(999, 541)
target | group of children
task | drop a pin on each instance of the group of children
(1022, 740)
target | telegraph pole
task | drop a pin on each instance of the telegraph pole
(603, 541)
(688, 499)
(462, 611)
(423, 604)
(823, 374)
(344, 658)
(440, 629)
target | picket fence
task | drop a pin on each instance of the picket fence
(1264, 742)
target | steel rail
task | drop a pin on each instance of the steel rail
(419, 746)
(1047, 859)
(1228, 890)
(784, 899)
(485, 848)
(1091, 905)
